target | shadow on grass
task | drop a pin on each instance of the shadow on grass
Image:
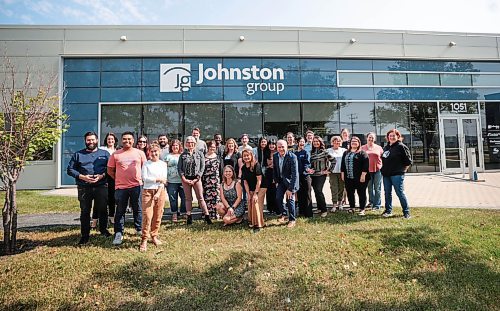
(455, 278)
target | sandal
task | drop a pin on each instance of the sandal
(157, 241)
(174, 218)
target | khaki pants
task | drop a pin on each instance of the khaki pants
(256, 209)
(337, 187)
(152, 211)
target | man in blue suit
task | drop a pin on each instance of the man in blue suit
(286, 176)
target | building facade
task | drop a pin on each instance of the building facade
(441, 90)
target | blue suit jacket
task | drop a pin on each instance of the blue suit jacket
(290, 172)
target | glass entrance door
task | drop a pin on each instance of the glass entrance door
(457, 134)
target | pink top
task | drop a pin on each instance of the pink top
(374, 157)
(128, 166)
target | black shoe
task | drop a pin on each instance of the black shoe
(83, 241)
(208, 220)
(189, 220)
(256, 230)
(106, 234)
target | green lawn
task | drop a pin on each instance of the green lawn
(441, 259)
(33, 202)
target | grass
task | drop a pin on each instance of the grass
(33, 202)
(441, 259)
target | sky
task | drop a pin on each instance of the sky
(472, 16)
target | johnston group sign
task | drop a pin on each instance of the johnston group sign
(178, 77)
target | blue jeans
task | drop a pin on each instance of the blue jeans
(375, 189)
(175, 190)
(396, 181)
(122, 197)
(290, 204)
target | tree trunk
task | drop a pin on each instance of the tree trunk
(9, 214)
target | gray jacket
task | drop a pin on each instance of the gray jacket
(186, 163)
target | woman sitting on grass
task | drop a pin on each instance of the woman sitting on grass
(232, 207)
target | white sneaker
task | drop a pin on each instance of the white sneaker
(118, 238)
(324, 214)
(387, 215)
(362, 213)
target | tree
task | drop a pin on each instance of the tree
(30, 123)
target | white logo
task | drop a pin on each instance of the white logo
(175, 77)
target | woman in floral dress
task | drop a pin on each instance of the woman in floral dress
(211, 178)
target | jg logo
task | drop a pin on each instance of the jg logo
(175, 77)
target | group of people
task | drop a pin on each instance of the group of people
(229, 180)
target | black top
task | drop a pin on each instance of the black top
(354, 164)
(303, 160)
(251, 177)
(233, 161)
(395, 158)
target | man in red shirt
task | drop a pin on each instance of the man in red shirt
(124, 166)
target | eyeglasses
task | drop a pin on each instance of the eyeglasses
(143, 141)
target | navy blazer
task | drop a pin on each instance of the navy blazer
(290, 175)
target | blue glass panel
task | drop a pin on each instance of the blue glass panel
(152, 94)
(151, 78)
(289, 93)
(318, 64)
(207, 62)
(284, 63)
(121, 78)
(238, 82)
(131, 94)
(121, 64)
(88, 64)
(242, 62)
(81, 111)
(154, 63)
(328, 78)
(354, 64)
(353, 93)
(486, 66)
(486, 79)
(81, 95)
(457, 66)
(315, 92)
(458, 93)
(78, 128)
(240, 93)
(290, 78)
(82, 79)
(489, 94)
(355, 78)
(386, 65)
(203, 93)
(71, 144)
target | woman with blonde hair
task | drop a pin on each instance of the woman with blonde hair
(174, 185)
(336, 183)
(374, 153)
(154, 176)
(251, 176)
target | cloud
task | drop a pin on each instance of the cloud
(132, 9)
(41, 7)
(27, 19)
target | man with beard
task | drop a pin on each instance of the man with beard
(219, 145)
(165, 147)
(125, 167)
(88, 167)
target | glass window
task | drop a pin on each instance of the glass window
(359, 118)
(163, 119)
(424, 137)
(389, 116)
(243, 118)
(206, 117)
(384, 78)
(120, 118)
(456, 80)
(321, 118)
(428, 79)
(280, 118)
(355, 78)
(486, 80)
(490, 120)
